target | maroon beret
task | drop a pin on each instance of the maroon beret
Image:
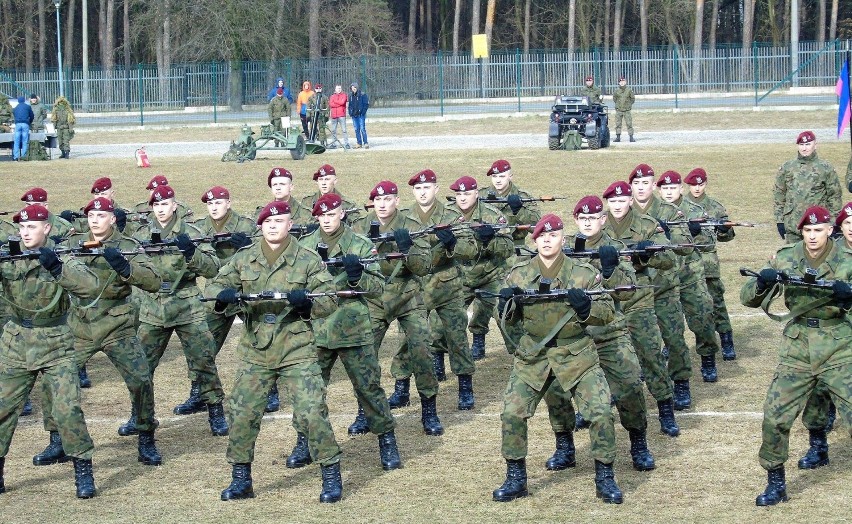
(815, 215)
(276, 172)
(272, 209)
(805, 136)
(101, 185)
(696, 177)
(385, 187)
(548, 222)
(100, 204)
(499, 166)
(161, 193)
(325, 170)
(427, 176)
(31, 213)
(157, 181)
(588, 205)
(279, 91)
(845, 213)
(618, 189)
(35, 194)
(669, 178)
(214, 193)
(641, 171)
(465, 183)
(326, 203)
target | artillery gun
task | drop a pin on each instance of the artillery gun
(289, 139)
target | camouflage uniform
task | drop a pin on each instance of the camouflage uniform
(176, 308)
(816, 348)
(528, 214)
(6, 118)
(278, 107)
(277, 344)
(350, 206)
(39, 116)
(568, 358)
(347, 333)
(64, 120)
(801, 183)
(402, 300)
(59, 227)
(106, 323)
(594, 94)
(321, 118)
(623, 98)
(36, 340)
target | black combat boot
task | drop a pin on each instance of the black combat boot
(728, 351)
(632, 139)
(439, 366)
(617, 138)
(129, 427)
(216, 419)
(668, 425)
(148, 453)
(466, 399)
(84, 479)
(776, 488)
(515, 485)
(193, 404)
(2, 466)
(817, 455)
(84, 377)
(301, 455)
(564, 456)
(360, 426)
(273, 401)
(708, 368)
(642, 458)
(241, 487)
(477, 349)
(400, 396)
(605, 487)
(682, 396)
(388, 452)
(53, 453)
(429, 416)
(832, 417)
(332, 484)
(28, 408)
(580, 422)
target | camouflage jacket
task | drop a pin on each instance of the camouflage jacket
(635, 227)
(349, 325)
(714, 210)
(59, 227)
(623, 98)
(662, 211)
(323, 104)
(5, 111)
(805, 182)
(278, 107)
(818, 353)
(274, 335)
(8, 229)
(573, 352)
(529, 214)
(693, 263)
(352, 209)
(233, 223)
(39, 116)
(491, 260)
(299, 214)
(109, 316)
(176, 303)
(593, 93)
(402, 289)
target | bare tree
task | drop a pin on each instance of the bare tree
(714, 23)
(527, 5)
(412, 25)
(489, 20)
(748, 35)
(313, 30)
(42, 37)
(126, 35)
(832, 30)
(29, 37)
(616, 30)
(696, 41)
(643, 25)
(69, 32)
(820, 21)
(456, 23)
(476, 6)
(572, 17)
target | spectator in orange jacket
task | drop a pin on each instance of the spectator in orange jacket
(302, 104)
(337, 102)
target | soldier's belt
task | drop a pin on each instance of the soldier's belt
(39, 322)
(556, 342)
(819, 322)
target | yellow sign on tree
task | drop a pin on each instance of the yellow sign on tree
(480, 46)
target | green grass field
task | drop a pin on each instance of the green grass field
(709, 473)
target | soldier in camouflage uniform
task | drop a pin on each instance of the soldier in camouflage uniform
(36, 341)
(555, 349)
(280, 182)
(623, 99)
(64, 120)
(279, 107)
(816, 349)
(106, 323)
(6, 118)
(317, 114)
(516, 212)
(102, 187)
(175, 306)
(221, 219)
(490, 266)
(627, 224)
(402, 299)
(713, 210)
(694, 296)
(442, 287)
(326, 179)
(277, 344)
(591, 91)
(347, 333)
(39, 114)
(805, 181)
(184, 212)
(59, 228)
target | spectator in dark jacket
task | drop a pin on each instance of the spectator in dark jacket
(23, 118)
(279, 84)
(358, 104)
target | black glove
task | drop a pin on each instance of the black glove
(644, 257)
(782, 230)
(506, 295)
(447, 238)
(581, 302)
(767, 277)
(723, 229)
(57, 239)
(225, 297)
(353, 267)
(67, 215)
(515, 203)
(694, 228)
(185, 245)
(842, 291)
(609, 260)
(48, 259)
(240, 240)
(666, 230)
(120, 219)
(485, 234)
(403, 240)
(117, 261)
(310, 228)
(298, 298)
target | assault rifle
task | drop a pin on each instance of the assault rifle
(579, 250)
(14, 251)
(809, 280)
(545, 294)
(322, 250)
(475, 225)
(157, 246)
(300, 230)
(285, 295)
(376, 236)
(706, 222)
(492, 198)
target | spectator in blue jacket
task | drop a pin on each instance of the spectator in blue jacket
(358, 104)
(279, 83)
(23, 118)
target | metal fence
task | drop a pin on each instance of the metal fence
(441, 84)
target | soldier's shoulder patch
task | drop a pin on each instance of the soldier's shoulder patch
(598, 278)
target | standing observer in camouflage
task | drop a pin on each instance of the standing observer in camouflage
(816, 346)
(592, 92)
(623, 98)
(64, 120)
(804, 182)
(279, 109)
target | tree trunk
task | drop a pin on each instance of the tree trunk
(697, 32)
(279, 34)
(126, 35)
(489, 21)
(314, 51)
(607, 5)
(68, 34)
(109, 40)
(643, 25)
(527, 26)
(29, 37)
(616, 30)
(412, 25)
(42, 37)
(821, 22)
(748, 36)
(714, 22)
(429, 44)
(456, 23)
(476, 6)
(832, 30)
(102, 34)
(572, 17)
(235, 79)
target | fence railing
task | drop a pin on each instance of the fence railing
(436, 84)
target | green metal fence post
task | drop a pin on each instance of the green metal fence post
(364, 73)
(596, 66)
(754, 72)
(141, 96)
(518, 75)
(441, 80)
(215, 92)
(676, 80)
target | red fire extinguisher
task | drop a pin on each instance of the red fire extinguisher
(142, 158)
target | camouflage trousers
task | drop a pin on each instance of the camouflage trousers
(788, 392)
(484, 309)
(667, 306)
(64, 136)
(698, 310)
(306, 390)
(415, 326)
(364, 372)
(61, 379)
(199, 348)
(621, 367)
(720, 309)
(645, 335)
(592, 396)
(627, 116)
(130, 361)
(815, 415)
(220, 326)
(447, 335)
